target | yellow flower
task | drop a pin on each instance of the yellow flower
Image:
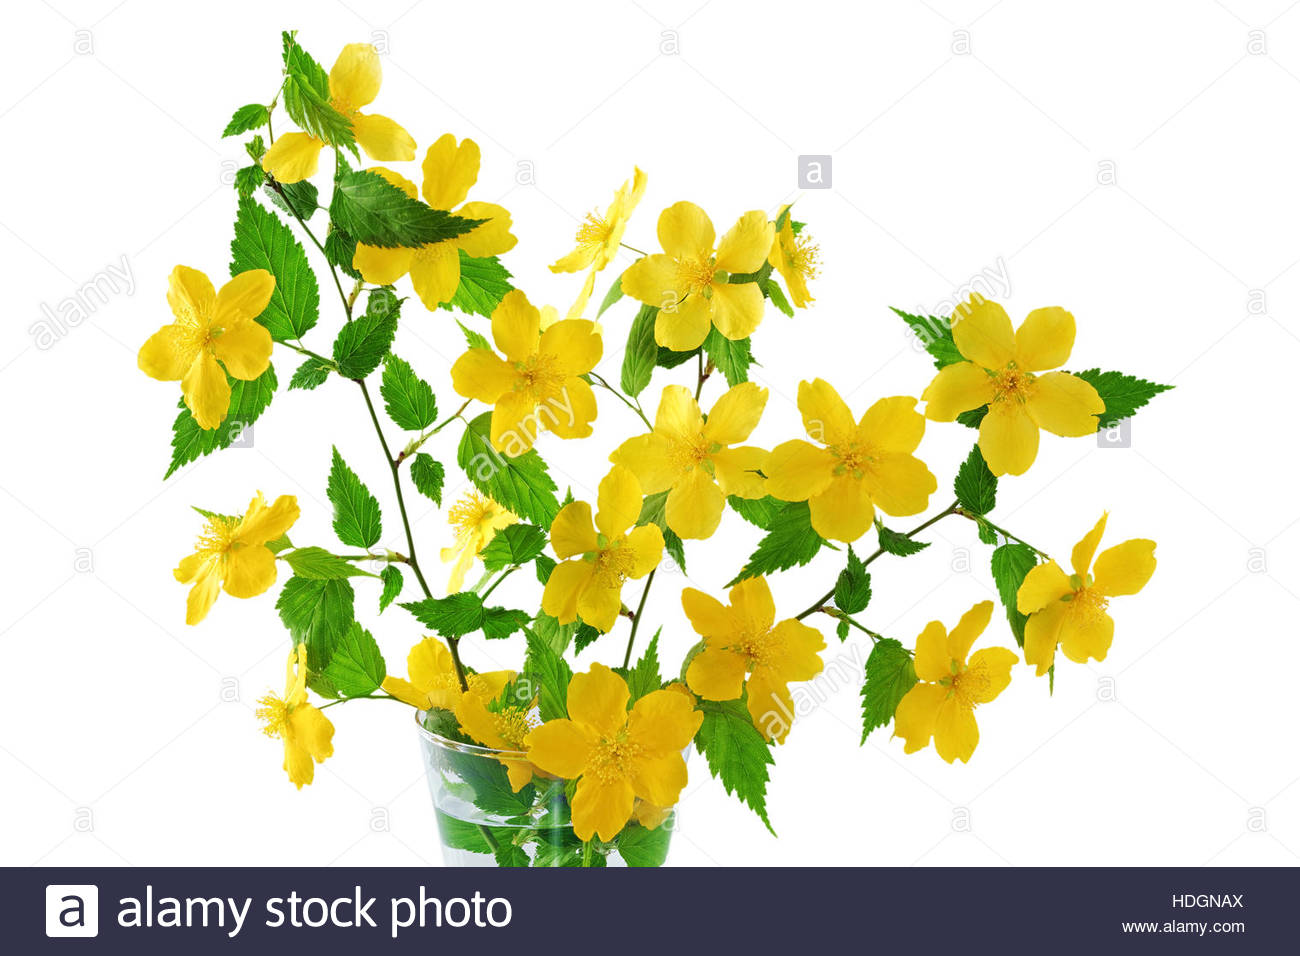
(942, 705)
(689, 284)
(591, 584)
(796, 258)
(537, 384)
(693, 458)
(212, 330)
(740, 639)
(1002, 372)
(616, 755)
(307, 733)
(433, 680)
(354, 83)
(231, 553)
(1071, 611)
(477, 519)
(449, 170)
(863, 466)
(502, 726)
(599, 237)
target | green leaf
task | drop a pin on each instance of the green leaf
(318, 613)
(853, 586)
(297, 199)
(340, 250)
(791, 540)
(641, 352)
(263, 241)
(499, 622)
(311, 374)
(356, 667)
(972, 417)
(842, 630)
(475, 340)
(362, 343)
(408, 399)
(760, 512)
(897, 543)
(975, 485)
(777, 295)
(613, 295)
(935, 334)
(673, 545)
(670, 359)
(247, 179)
(512, 854)
(246, 118)
(306, 97)
(761, 276)
(584, 636)
(644, 677)
(548, 675)
(890, 675)
(484, 282)
(513, 544)
(732, 358)
(319, 564)
(357, 520)
(736, 753)
(520, 484)
(428, 475)
(641, 847)
(1123, 394)
(555, 635)
(1011, 563)
(452, 616)
(375, 212)
(392, 578)
(256, 149)
(654, 510)
(247, 402)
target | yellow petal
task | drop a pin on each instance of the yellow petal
(244, 348)
(646, 456)
(192, 565)
(297, 764)
(382, 138)
(1126, 568)
(737, 471)
(679, 416)
(483, 375)
(293, 157)
(516, 325)
(262, 523)
(989, 673)
(955, 732)
(201, 597)
(398, 180)
(572, 532)
(900, 484)
(892, 425)
(619, 502)
(598, 700)
(429, 663)
(449, 170)
(406, 692)
(312, 731)
(751, 602)
(843, 512)
(518, 772)
(694, 506)
(1043, 584)
(1042, 632)
(1045, 339)
(659, 777)
(932, 661)
(1065, 404)
(206, 391)
(802, 645)
(382, 266)
(982, 332)
(571, 413)
(716, 673)
(655, 281)
(685, 232)
(435, 273)
(664, 720)
(798, 470)
(745, 246)
(647, 546)
(477, 722)
(575, 344)
(601, 808)
(355, 76)
(957, 388)
(493, 237)
(167, 354)
(770, 705)
(245, 296)
(735, 415)
(737, 309)
(566, 582)
(561, 747)
(578, 259)
(826, 417)
(915, 717)
(515, 423)
(1082, 555)
(683, 326)
(190, 294)
(971, 626)
(1085, 637)
(1008, 439)
(709, 616)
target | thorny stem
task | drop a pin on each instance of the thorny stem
(636, 620)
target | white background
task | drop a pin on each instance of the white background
(1132, 162)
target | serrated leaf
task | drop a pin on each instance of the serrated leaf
(392, 578)
(452, 616)
(520, 484)
(548, 676)
(777, 295)
(297, 199)
(613, 295)
(306, 97)
(408, 399)
(484, 282)
(935, 334)
(311, 374)
(731, 357)
(760, 512)
(317, 613)
(362, 343)
(428, 476)
(972, 417)
(670, 359)
(246, 118)
(263, 241)
(513, 544)
(641, 352)
(897, 543)
(976, 487)
(853, 586)
(356, 668)
(340, 250)
(1123, 394)
(375, 212)
(499, 622)
(357, 520)
(1010, 564)
(247, 402)
(641, 847)
(247, 179)
(643, 677)
(319, 564)
(584, 636)
(736, 753)
(791, 540)
(890, 675)
(473, 339)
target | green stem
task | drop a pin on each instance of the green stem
(587, 850)
(634, 249)
(630, 403)
(504, 574)
(415, 445)
(636, 620)
(980, 519)
(347, 306)
(333, 703)
(702, 373)
(310, 354)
